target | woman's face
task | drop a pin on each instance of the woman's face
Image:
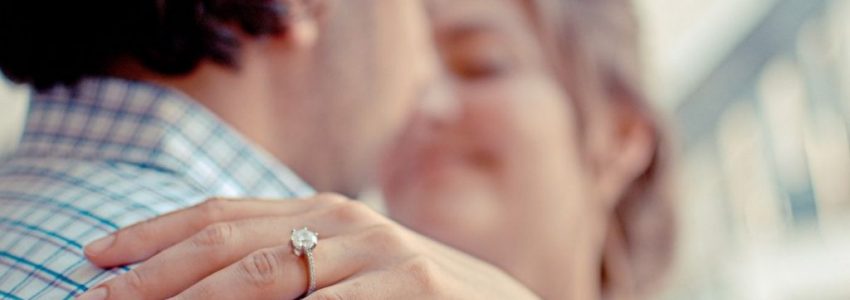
(496, 172)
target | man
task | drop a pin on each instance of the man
(145, 107)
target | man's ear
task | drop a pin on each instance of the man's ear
(628, 147)
(302, 21)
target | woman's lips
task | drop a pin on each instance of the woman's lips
(434, 154)
(445, 162)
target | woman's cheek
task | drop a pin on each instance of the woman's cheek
(520, 119)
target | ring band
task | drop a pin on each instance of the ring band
(303, 242)
(311, 273)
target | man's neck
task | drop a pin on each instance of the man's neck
(243, 101)
(249, 101)
(234, 96)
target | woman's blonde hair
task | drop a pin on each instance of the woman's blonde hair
(594, 47)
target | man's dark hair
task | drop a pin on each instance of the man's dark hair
(46, 43)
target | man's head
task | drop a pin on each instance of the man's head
(321, 84)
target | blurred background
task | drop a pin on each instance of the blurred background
(13, 105)
(757, 93)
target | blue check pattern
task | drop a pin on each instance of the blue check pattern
(104, 154)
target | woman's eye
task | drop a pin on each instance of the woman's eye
(481, 57)
(483, 67)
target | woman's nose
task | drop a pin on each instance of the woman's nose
(440, 104)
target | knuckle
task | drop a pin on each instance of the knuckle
(387, 238)
(326, 295)
(424, 272)
(180, 296)
(214, 209)
(353, 212)
(262, 267)
(358, 206)
(134, 281)
(330, 198)
(214, 235)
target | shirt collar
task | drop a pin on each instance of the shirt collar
(121, 121)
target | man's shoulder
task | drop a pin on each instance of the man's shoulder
(108, 188)
(50, 208)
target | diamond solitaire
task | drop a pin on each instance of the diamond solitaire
(303, 240)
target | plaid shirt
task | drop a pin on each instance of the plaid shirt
(103, 155)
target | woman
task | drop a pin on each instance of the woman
(537, 157)
(535, 165)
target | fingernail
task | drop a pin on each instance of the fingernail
(95, 294)
(100, 245)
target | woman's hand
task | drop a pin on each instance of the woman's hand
(226, 249)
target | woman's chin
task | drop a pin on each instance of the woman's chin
(450, 177)
(444, 199)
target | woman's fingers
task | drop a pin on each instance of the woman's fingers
(276, 273)
(384, 284)
(143, 240)
(181, 266)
